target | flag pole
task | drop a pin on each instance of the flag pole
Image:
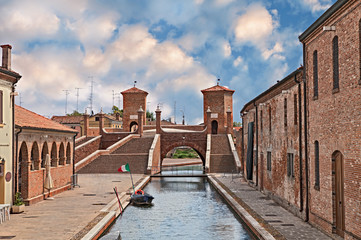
(131, 179)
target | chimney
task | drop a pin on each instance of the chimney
(6, 63)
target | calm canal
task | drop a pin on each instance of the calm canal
(184, 208)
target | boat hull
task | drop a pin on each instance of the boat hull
(138, 199)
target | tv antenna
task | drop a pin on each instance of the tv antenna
(66, 100)
(20, 102)
(77, 98)
(91, 94)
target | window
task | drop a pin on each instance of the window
(359, 30)
(290, 165)
(97, 119)
(1, 107)
(317, 165)
(315, 75)
(269, 119)
(261, 121)
(269, 162)
(285, 111)
(335, 63)
(295, 109)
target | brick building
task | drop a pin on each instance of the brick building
(219, 100)
(73, 122)
(133, 99)
(8, 79)
(273, 144)
(332, 58)
(314, 166)
(35, 137)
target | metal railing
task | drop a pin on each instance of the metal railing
(188, 170)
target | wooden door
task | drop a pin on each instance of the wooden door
(214, 127)
(339, 183)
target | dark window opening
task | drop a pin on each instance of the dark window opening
(261, 121)
(359, 30)
(317, 165)
(315, 75)
(335, 63)
(290, 165)
(269, 119)
(97, 119)
(269, 161)
(285, 112)
(295, 109)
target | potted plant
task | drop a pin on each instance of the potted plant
(18, 206)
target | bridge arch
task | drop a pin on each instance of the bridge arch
(200, 151)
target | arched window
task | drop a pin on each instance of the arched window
(317, 165)
(54, 156)
(68, 154)
(35, 156)
(61, 154)
(335, 63)
(285, 111)
(270, 119)
(315, 74)
(44, 152)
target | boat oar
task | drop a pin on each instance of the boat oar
(120, 204)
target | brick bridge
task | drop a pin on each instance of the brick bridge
(145, 148)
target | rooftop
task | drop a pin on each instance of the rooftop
(216, 88)
(134, 90)
(27, 119)
(67, 119)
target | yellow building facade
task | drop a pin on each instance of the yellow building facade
(8, 79)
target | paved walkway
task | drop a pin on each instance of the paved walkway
(70, 212)
(275, 219)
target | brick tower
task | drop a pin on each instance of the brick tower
(219, 101)
(133, 99)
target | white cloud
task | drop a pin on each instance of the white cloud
(27, 21)
(255, 26)
(269, 52)
(94, 30)
(317, 5)
(227, 50)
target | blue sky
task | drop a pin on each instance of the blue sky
(173, 49)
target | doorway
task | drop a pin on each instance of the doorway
(133, 126)
(338, 188)
(214, 127)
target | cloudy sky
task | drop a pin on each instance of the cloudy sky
(172, 48)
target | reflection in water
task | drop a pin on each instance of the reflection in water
(184, 208)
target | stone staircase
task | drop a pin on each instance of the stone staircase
(222, 159)
(135, 153)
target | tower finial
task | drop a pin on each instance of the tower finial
(135, 83)
(218, 80)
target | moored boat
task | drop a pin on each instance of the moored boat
(141, 198)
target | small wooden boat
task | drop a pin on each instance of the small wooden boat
(141, 198)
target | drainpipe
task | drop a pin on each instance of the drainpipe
(256, 119)
(74, 153)
(300, 140)
(242, 144)
(305, 128)
(16, 160)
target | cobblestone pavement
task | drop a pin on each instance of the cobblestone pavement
(267, 212)
(69, 212)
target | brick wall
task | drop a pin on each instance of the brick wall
(131, 104)
(87, 148)
(109, 139)
(278, 135)
(334, 118)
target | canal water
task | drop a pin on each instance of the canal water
(183, 208)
